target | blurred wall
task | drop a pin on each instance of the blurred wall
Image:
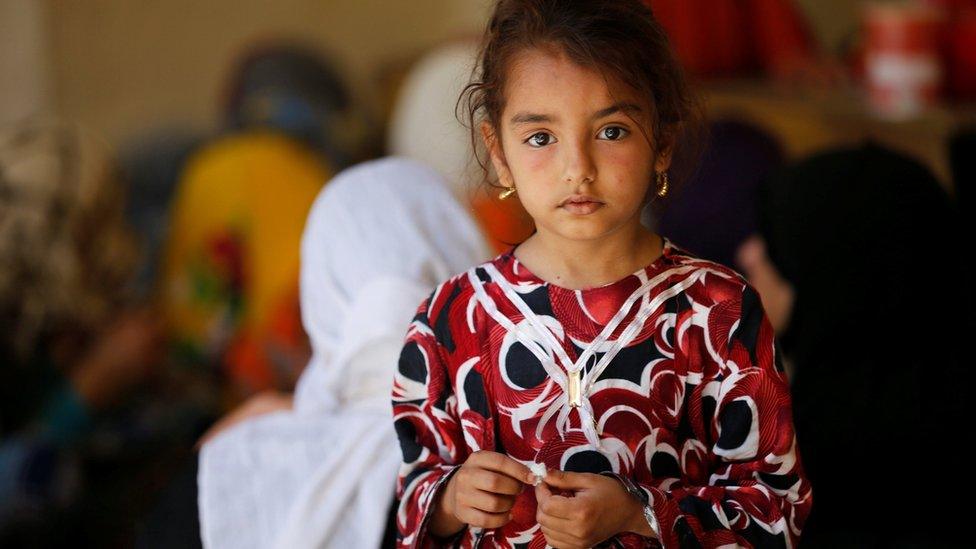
(124, 66)
(24, 62)
(833, 21)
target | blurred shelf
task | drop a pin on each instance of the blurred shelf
(807, 121)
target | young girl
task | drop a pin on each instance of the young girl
(642, 384)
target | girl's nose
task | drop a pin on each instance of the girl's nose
(579, 165)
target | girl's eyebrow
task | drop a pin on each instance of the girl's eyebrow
(533, 118)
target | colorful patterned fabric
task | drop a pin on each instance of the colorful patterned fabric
(230, 277)
(692, 404)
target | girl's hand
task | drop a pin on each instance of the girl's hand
(595, 508)
(482, 492)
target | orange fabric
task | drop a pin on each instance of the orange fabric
(504, 222)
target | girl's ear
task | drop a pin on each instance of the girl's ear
(665, 151)
(497, 154)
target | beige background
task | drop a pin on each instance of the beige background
(123, 66)
(25, 85)
(128, 66)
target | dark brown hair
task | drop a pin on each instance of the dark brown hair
(620, 39)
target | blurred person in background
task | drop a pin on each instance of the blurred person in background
(322, 472)
(229, 282)
(151, 166)
(293, 89)
(73, 345)
(962, 161)
(874, 353)
(862, 267)
(716, 210)
(829, 242)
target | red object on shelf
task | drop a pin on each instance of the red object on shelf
(903, 28)
(902, 57)
(961, 53)
(715, 38)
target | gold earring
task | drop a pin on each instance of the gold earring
(663, 178)
(507, 193)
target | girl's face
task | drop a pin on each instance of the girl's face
(565, 139)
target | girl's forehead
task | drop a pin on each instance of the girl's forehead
(549, 79)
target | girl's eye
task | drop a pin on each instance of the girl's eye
(538, 140)
(613, 133)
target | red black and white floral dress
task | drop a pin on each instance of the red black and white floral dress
(669, 378)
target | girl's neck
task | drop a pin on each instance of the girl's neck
(583, 264)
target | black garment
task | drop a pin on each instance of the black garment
(389, 534)
(962, 161)
(174, 520)
(872, 245)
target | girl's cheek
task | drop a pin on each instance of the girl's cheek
(536, 160)
(626, 165)
(630, 156)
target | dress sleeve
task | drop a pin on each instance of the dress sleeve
(428, 429)
(757, 493)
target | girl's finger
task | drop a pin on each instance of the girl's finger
(497, 483)
(486, 501)
(477, 517)
(542, 492)
(568, 480)
(500, 463)
(566, 526)
(561, 540)
(559, 507)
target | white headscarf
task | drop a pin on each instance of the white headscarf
(379, 237)
(423, 124)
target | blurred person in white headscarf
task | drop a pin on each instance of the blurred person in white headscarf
(424, 107)
(319, 470)
(425, 125)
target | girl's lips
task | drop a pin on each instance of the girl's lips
(581, 208)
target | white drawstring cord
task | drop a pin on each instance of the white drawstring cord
(543, 335)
